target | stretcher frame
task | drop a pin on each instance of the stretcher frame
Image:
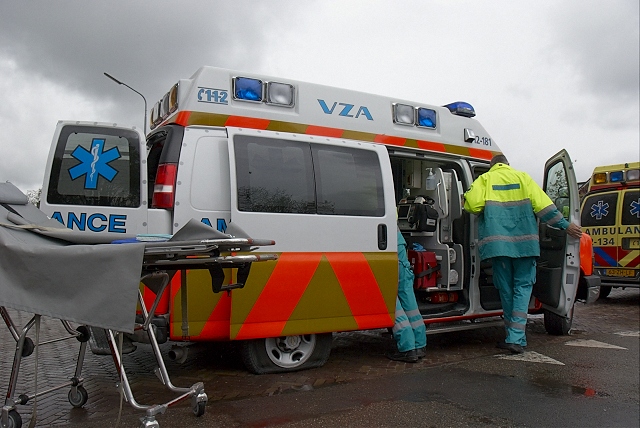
(161, 260)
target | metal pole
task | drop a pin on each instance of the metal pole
(145, 100)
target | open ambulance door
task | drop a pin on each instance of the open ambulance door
(95, 180)
(558, 270)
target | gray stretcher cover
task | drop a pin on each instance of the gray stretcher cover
(95, 285)
(48, 269)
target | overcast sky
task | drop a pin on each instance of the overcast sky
(542, 75)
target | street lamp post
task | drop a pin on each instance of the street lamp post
(145, 100)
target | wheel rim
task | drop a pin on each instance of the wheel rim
(290, 351)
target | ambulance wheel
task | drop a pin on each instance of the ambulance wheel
(557, 325)
(604, 292)
(14, 419)
(79, 398)
(286, 353)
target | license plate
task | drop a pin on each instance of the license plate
(621, 272)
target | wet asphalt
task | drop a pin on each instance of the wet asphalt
(587, 379)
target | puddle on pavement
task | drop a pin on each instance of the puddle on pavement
(556, 387)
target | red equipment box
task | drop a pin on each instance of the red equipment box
(425, 268)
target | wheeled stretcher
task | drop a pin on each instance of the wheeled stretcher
(97, 285)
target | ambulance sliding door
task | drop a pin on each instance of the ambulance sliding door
(558, 270)
(312, 193)
(329, 205)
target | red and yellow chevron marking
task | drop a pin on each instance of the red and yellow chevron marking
(208, 313)
(300, 293)
(186, 118)
(314, 293)
(629, 258)
(616, 257)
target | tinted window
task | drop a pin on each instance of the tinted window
(599, 210)
(284, 176)
(274, 175)
(631, 208)
(96, 167)
(348, 181)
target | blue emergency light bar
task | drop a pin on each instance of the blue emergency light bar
(246, 89)
(257, 91)
(404, 114)
(461, 108)
(426, 118)
(616, 177)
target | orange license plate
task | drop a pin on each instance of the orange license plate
(628, 273)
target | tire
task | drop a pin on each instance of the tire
(200, 408)
(286, 353)
(14, 419)
(557, 325)
(78, 399)
(28, 347)
(604, 292)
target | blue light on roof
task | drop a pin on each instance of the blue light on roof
(426, 118)
(615, 177)
(247, 89)
(461, 108)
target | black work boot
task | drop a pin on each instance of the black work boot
(513, 347)
(407, 356)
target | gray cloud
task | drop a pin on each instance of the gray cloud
(148, 45)
(601, 40)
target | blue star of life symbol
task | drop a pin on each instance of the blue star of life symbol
(635, 208)
(94, 163)
(599, 210)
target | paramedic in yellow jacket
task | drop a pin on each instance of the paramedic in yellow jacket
(507, 203)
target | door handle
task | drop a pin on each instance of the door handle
(382, 236)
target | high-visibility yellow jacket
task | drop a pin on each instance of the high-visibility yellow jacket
(507, 202)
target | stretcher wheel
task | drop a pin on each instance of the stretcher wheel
(27, 347)
(84, 334)
(200, 408)
(78, 396)
(14, 419)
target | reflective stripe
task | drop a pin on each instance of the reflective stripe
(518, 326)
(506, 238)
(556, 218)
(545, 211)
(519, 314)
(509, 203)
(513, 186)
(400, 325)
(187, 118)
(413, 313)
(416, 324)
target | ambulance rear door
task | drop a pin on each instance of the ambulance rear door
(558, 269)
(95, 180)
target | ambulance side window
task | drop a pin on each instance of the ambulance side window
(284, 176)
(631, 208)
(599, 210)
(274, 175)
(348, 181)
(99, 167)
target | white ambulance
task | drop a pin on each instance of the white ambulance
(329, 174)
